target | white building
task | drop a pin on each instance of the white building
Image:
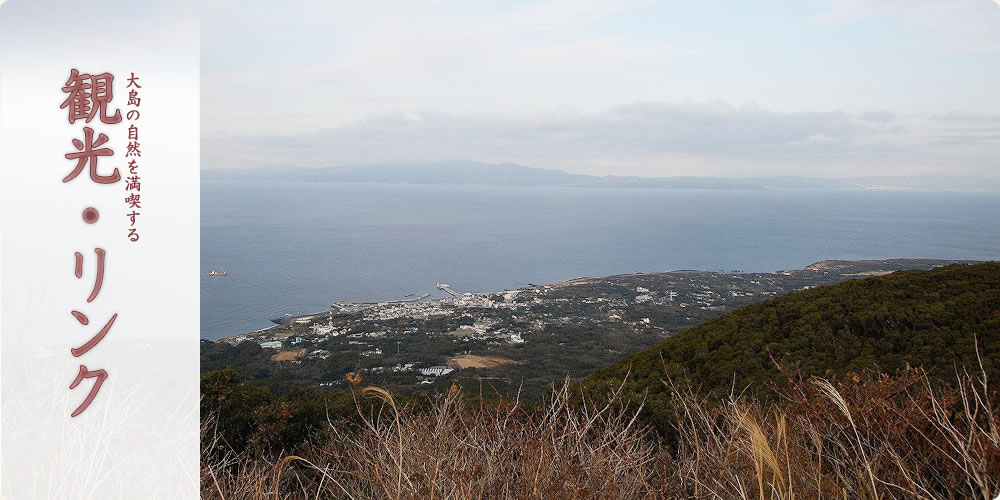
(436, 371)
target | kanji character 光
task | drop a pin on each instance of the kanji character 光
(87, 154)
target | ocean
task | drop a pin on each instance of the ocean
(298, 247)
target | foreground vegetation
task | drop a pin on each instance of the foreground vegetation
(866, 436)
(819, 394)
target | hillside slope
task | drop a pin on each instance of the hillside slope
(917, 318)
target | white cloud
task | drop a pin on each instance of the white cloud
(539, 82)
(712, 138)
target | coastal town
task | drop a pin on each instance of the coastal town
(510, 340)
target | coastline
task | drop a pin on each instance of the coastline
(851, 268)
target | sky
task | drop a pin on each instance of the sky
(834, 88)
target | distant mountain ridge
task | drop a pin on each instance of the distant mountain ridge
(512, 174)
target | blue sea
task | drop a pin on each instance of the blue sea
(297, 247)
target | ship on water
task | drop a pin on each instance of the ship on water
(219, 273)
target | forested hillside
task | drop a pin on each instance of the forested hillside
(930, 319)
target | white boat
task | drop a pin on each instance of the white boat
(223, 272)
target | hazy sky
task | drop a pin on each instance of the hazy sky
(816, 88)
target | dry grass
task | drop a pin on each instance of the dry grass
(289, 355)
(866, 437)
(476, 361)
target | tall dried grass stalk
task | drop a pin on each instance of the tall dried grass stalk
(864, 437)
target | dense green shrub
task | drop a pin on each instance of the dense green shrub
(931, 319)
